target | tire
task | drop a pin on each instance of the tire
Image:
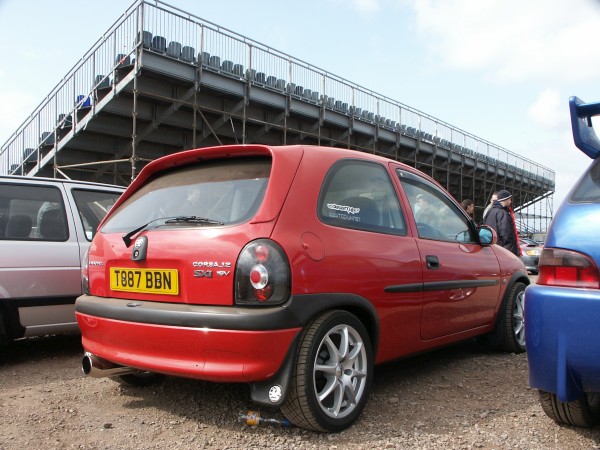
(332, 374)
(584, 412)
(509, 332)
(139, 379)
(514, 320)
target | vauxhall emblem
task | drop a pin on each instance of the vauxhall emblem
(138, 253)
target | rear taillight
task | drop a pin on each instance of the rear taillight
(567, 268)
(262, 274)
(85, 274)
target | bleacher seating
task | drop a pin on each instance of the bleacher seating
(174, 50)
(227, 67)
(159, 44)
(123, 60)
(271, 81)
(238, 70)
(263, 76)
(101, 82)
(188, 54)
(203, 58)
(146, 39)
(83, 102)
(47, 139)
(214, 62)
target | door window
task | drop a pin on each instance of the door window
(436, 215)
(32, 213)
(92, 207)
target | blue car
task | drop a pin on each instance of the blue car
(562, 311)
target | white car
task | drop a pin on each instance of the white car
(46, 226)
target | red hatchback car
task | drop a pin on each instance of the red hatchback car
(294, 269)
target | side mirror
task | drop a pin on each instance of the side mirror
(487, 235)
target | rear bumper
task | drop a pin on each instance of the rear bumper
(563, 340)
(224, 344)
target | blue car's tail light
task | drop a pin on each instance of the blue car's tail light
(567, 268)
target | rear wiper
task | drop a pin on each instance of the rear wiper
(194, 219)
(174, 219)
(127, 237)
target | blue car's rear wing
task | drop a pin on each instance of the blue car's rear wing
(583, 131)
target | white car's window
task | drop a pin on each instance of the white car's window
(92, 207)
(360, 195)
(32, 213)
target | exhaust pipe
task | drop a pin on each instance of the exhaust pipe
(94, 366)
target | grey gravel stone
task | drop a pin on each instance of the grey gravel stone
(460, 397)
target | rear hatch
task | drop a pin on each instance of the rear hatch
(177, 233)
(575, 225)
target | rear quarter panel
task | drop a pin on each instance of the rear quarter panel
(329, 259)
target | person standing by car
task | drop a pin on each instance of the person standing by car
(500, 218)
(489, 206)
(468, 205)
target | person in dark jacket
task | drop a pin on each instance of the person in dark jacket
(500, 218)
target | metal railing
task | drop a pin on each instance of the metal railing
(162, 28)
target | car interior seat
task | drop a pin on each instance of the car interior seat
(52, 225)
(18, 226)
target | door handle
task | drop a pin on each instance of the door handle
(433, 262)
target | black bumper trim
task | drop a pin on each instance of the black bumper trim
(297, 312)
(185, 315)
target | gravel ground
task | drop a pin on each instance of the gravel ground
(460, 397)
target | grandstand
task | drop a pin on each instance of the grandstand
(162, 80)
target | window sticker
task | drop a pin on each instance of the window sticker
(343, 212)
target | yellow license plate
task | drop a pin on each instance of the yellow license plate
(152, 281)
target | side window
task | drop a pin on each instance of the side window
(360, 195)
(32, 213)
(437, 217)
(92, 207)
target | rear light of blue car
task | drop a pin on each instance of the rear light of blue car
(262, 275)
(567, 268)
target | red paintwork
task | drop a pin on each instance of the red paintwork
(323, 259)
(214, 355)
(178, 249)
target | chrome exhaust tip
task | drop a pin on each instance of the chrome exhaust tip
(96, 367)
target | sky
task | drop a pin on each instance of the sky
(502, 70)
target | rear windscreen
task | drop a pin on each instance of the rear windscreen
(227, 191)
(588, 187)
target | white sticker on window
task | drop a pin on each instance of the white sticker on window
(343, 212)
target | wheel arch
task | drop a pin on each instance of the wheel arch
(517, 277)
(496, 338)
(307, 307)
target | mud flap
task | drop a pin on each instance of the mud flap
(273, 391)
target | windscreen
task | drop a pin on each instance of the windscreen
(588, 188)
(228, 191)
